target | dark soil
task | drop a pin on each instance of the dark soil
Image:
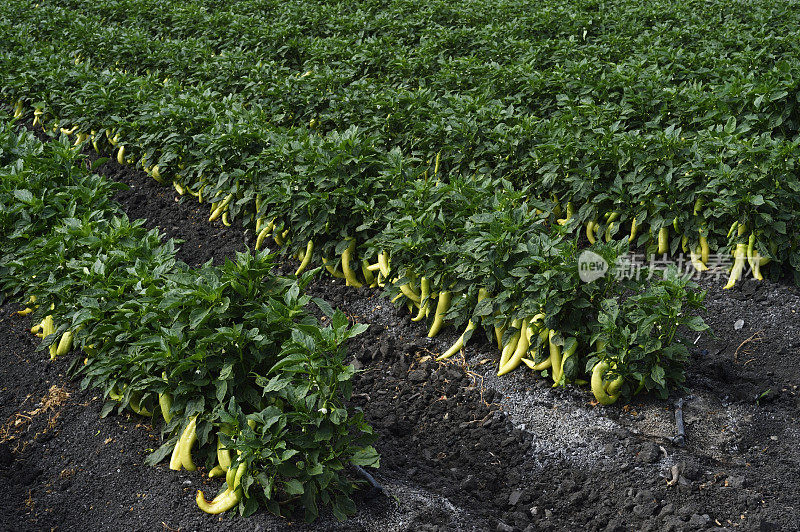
(460, 448)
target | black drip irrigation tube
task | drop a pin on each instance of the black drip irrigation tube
(375, 488)
(680, 438)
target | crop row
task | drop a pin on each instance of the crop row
(247, 382)
(448, 189)
(623, 122)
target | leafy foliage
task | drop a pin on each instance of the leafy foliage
(641, 338)
(232, 346)
(413, 132)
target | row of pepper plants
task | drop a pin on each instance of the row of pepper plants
(410, 147)
(640, 128)
(670, 156)
(242, 378)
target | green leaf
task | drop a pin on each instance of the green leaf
(657, 374)
(696, 323)
(221, 391)
(310, 503)
(108, 406)
(25, 196)
(159, 454)
(293, 487)
(288, 453)
(366, 457)
(198, 315)
(484, 308)
(250, 506)
(324, 306)
(195, 405)
(346, 374)
(357, 329)
(226, 372)
(276, 384)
